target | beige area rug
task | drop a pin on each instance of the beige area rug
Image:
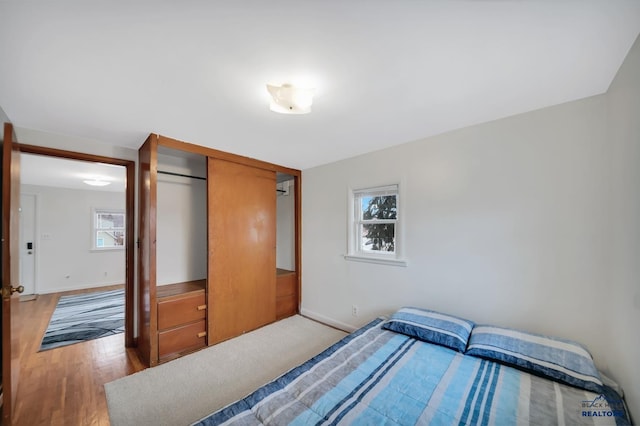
(189, 388)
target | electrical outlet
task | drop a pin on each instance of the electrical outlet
(354, 310)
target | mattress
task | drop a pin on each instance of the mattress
(379, 377)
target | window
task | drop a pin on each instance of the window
(374, 229)
(108, 229)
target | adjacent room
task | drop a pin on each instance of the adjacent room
(329, 213)
(72, 246)
(72, 234)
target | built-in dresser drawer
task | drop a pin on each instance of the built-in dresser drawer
(286, 306)
(286, 284)
(286, 293)
(181, 339)
(181, 309)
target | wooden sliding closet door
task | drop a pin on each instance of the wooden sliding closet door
(242, 249)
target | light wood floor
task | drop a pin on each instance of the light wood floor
(64, 386)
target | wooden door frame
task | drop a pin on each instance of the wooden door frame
(10, 273)
(129, 302)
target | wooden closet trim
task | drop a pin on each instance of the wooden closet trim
(297, 186)
(147, 307)
(129, 338)
(221, 155)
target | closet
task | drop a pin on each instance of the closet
(219, 253)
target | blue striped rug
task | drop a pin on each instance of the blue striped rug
(87, 316)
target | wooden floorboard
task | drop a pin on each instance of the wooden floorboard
(65, 386)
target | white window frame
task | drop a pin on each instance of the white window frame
(95, 229)
(354, 250)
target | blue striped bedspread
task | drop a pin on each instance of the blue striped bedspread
(379, 377)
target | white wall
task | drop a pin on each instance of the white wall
(3, 117)
(65, 261)
(182, 230)
(505, 223)
(181, 242)
(74, 143)
(623, 289)
(285, 227)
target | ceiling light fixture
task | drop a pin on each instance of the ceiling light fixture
(97, 182)
(287, 99)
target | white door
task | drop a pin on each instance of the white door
(28, 243)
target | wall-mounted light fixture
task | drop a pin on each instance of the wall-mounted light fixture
(287, 99)
(97, 182)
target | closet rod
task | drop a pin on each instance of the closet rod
(196, 177)
(181, 175)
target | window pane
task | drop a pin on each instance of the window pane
(378, 237)
(106, 239)
(381, 207)
(110, 220)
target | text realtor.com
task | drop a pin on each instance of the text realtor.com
(600, 407)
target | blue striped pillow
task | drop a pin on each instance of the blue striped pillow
(559, 359)
(432, 327)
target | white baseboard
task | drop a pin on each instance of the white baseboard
(329, 321)
(70, 288)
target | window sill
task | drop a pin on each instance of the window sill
(378, 260)
(100, 250)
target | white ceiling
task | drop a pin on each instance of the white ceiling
(386, 72)
(63, 173)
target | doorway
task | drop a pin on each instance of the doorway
(40, 238)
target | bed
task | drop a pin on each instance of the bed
(392, 372)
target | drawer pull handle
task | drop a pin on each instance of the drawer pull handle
(202, 334)
(202, 307)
